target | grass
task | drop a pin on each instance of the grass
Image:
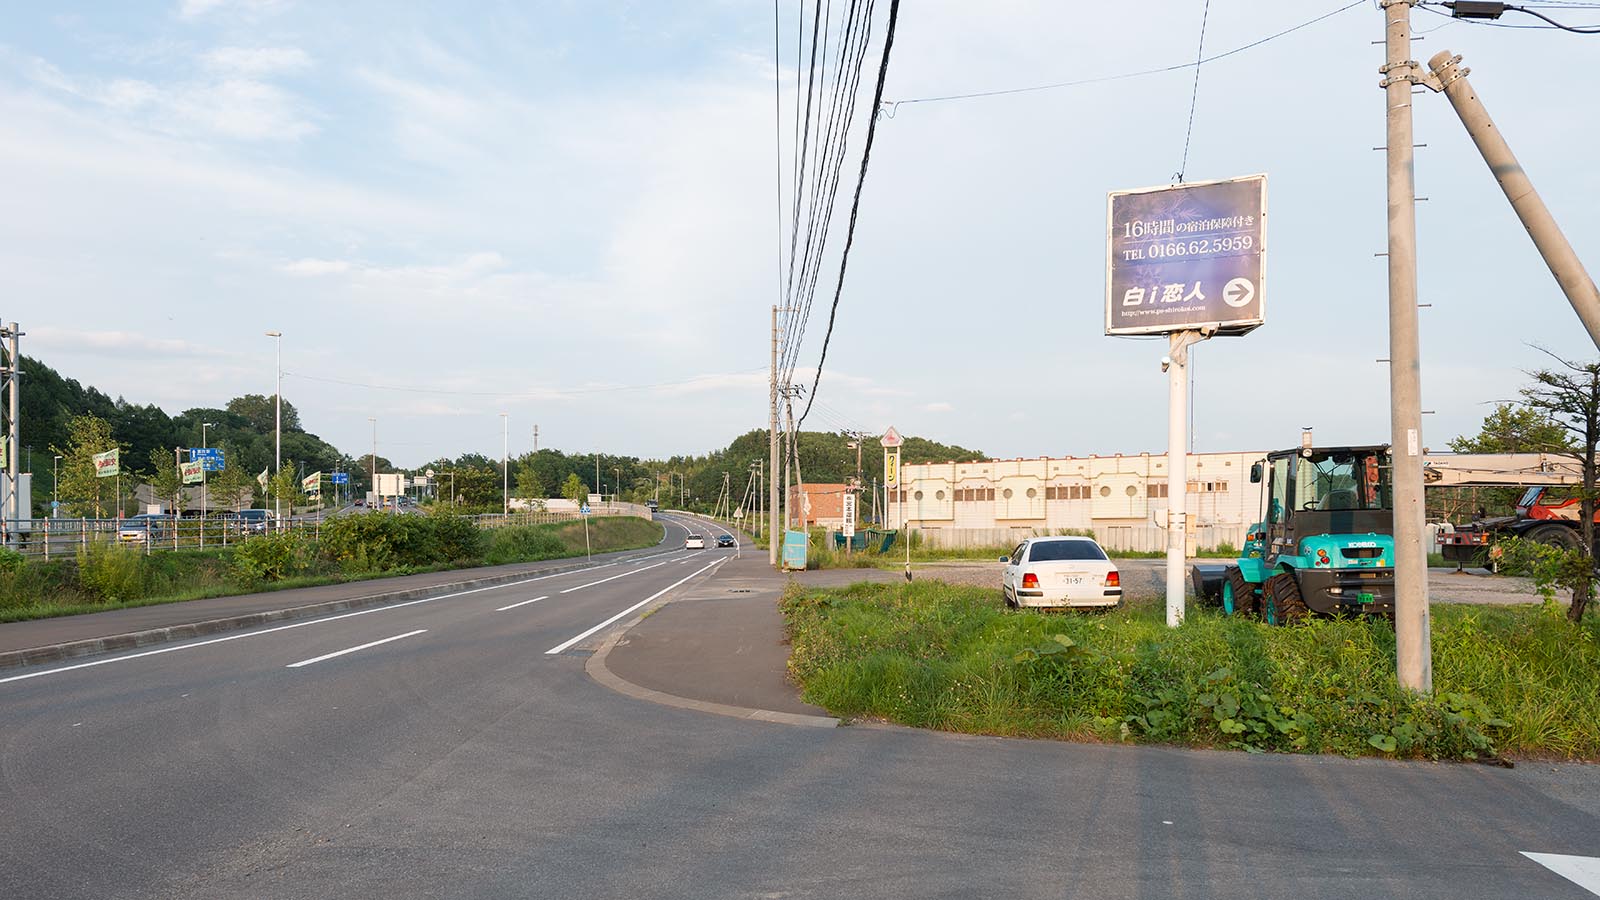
(124, 578)
(1508, 680)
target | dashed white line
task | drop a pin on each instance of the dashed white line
(612, 578)
(561, 647)
(521, 603)
(337, 653)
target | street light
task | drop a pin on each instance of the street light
(374, 491)
(55, 488)
(205, 490)
(617, 494)
(505, 464)
(277, 429)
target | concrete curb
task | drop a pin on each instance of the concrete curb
(595, 666)
(11, 659)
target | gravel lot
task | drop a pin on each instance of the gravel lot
(1146, 579)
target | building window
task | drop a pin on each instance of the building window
(938, 495)
(918, 495)
(1008, 493)
(1156, 489)
(1105, 491)
(1032, 493)
(1132, 491)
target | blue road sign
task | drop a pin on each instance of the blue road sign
(794, 550)
(584, 509)
(339, 478)
(210, 458)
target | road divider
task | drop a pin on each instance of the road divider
(337, 653)
(564, 645)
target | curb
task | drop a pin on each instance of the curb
(11, 659)
(595, 666)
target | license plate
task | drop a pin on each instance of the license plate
(1366, 598)
(1072, 580)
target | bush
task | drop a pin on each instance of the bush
(933, 655)
(273, 557)
(454, 538)
(112, 572)
(522, 543)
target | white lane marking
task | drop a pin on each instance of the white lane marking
(1583, 871)
(569, 642)
(257, 633)
(327, 656)
(612, 578)
(521, 603)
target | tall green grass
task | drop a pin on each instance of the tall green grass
(1507, 680)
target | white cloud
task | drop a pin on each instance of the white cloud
(116, 343)
(190, 9)
(938, 407)
(313, 267)
(257, 61)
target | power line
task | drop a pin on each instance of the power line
(855, 204)
(1194, 96)
(894, 105)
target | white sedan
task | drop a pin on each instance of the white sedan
(1057, 572)
(695, 542)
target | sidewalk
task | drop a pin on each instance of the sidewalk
(720, 641)
(66, 637)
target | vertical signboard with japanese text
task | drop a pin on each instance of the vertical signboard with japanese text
(1187, 257)
(848, 514)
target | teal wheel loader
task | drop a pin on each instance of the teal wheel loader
(1325, 545)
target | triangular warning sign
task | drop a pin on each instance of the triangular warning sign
(891, 438)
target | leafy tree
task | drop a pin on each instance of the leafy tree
(258, 410)
(575, 489)
(283, 489)
(1569, 395)
(165, 481)
(234, 486)
(1516, 429)
(529, 487)
(82, 492)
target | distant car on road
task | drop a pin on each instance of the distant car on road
(144, 527)
(726, 540)
(1060, 572)
(695, 542)
(254, 521)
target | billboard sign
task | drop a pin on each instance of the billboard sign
(312, 484)
(192, 472)
(891, 469)
(106, 464)
(339, 478)
(210, 457)
(1187, 257)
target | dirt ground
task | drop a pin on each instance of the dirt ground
(1146, 579)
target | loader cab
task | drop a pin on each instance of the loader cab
(1324, 491)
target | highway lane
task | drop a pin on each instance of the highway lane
(463, 760)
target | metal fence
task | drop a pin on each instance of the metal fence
(64, 537)
(1121, 538)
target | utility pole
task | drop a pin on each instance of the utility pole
(375, 495)
(1413, 654)
(13, 426)
(536, 439)
(1547, 237)
(505, 464)
(277, 430)
(772, 448)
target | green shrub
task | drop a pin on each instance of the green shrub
(11, 560)
(112, 572)
(934, 655)
(372, 542)
(454, 538)
(273, 557)
(522, 543)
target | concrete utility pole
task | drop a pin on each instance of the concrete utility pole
(375, 495)
(1413, 653)
(505, 464)
(1547, 237)
(13, 430)
(772, 449)
(277, 429)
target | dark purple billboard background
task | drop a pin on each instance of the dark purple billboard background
(1186, 257)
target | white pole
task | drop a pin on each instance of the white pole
(505, 465)
(277, 431)
(1177, 366)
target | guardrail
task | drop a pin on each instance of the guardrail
(57, 537)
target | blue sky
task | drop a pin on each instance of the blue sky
(524, 207)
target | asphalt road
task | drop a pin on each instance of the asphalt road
(453, 755)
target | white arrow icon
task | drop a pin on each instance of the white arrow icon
(1238, 292)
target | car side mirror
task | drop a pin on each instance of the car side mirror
(1255, 473)
(1005, 559)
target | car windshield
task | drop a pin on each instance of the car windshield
(1052, 551)
(1342, 479)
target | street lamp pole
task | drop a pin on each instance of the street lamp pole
(505, 464)
(277, 428)
(205, 487)
(55, 488)
(374, 421)
(617, 494)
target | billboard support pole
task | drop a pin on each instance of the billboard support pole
(1176, 365)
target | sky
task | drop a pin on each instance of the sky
(567, 212)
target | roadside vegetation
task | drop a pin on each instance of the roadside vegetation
(1508, 680)
(823, 554)
(350, 548)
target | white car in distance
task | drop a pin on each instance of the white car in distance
(1060, 572)
(695, 542)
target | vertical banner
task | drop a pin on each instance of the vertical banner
(262, 479)
(849, 526)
